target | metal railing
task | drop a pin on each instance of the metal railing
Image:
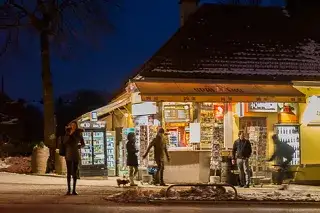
(204, 184)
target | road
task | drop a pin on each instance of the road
(145, 209)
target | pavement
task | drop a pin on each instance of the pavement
(32, 189)
(148, 209)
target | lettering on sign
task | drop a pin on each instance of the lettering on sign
(93, 125)
(262, 107)
(85, 125)
(217, 89)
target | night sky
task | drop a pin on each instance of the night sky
(142, 27)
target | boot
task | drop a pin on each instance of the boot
(74, 192)
(69, 185)
(132, 182)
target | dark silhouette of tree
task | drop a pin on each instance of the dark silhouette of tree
(84, 101)
(59, 22)
(21, 125)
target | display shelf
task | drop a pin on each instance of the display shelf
(86, 151)
(110, 138)
(98, 148)
(291, 136)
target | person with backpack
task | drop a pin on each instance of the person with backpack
(282, 151)
(159, 145)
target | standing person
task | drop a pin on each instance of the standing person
(159, 145)
(282, 150)
(241, 153)
(132, 158)
(73, 141)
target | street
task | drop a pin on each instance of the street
(163, 209)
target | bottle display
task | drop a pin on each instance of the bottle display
(291, 136)
(86, 151)
(256, 132)
(110, 138)
(98, 148)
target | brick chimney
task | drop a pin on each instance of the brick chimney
(187, 7)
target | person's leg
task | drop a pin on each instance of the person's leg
(69, 171)
(75, 167)
(241, 172)
(131, 175)
(136, 171)
(157, 178)
(247, 174)
(161, 173)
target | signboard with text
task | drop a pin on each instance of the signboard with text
(93, 125)
(176, 113)
(262, 107)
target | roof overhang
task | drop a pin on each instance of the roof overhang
(178, 91)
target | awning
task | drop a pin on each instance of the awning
(119, 102)
(218, 92)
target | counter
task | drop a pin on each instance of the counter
(187, 167)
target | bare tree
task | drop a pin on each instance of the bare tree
(59, 22)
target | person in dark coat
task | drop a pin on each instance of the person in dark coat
(73, 141)
(132, 158)
(282, 150)
(159, 145)
(241, 153)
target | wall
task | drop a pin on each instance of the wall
(272, 118)
(188, 167)
(310, 140)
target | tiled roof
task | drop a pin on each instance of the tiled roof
(240, 42)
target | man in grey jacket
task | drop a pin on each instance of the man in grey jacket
(241, 153)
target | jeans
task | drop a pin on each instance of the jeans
(160, 170)
(244, 169)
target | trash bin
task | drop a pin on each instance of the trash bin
(226, 169)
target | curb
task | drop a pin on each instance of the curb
(236, 203)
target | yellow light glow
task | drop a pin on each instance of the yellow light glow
(311, 110)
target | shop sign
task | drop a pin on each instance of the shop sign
(176, 113)
(217, 89)
(262, 107)
(145, 108)
(288, 113)
(93, 124)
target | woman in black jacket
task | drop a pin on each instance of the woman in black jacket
(73, 142)
(132, 158)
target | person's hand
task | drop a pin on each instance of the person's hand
(233, 162)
